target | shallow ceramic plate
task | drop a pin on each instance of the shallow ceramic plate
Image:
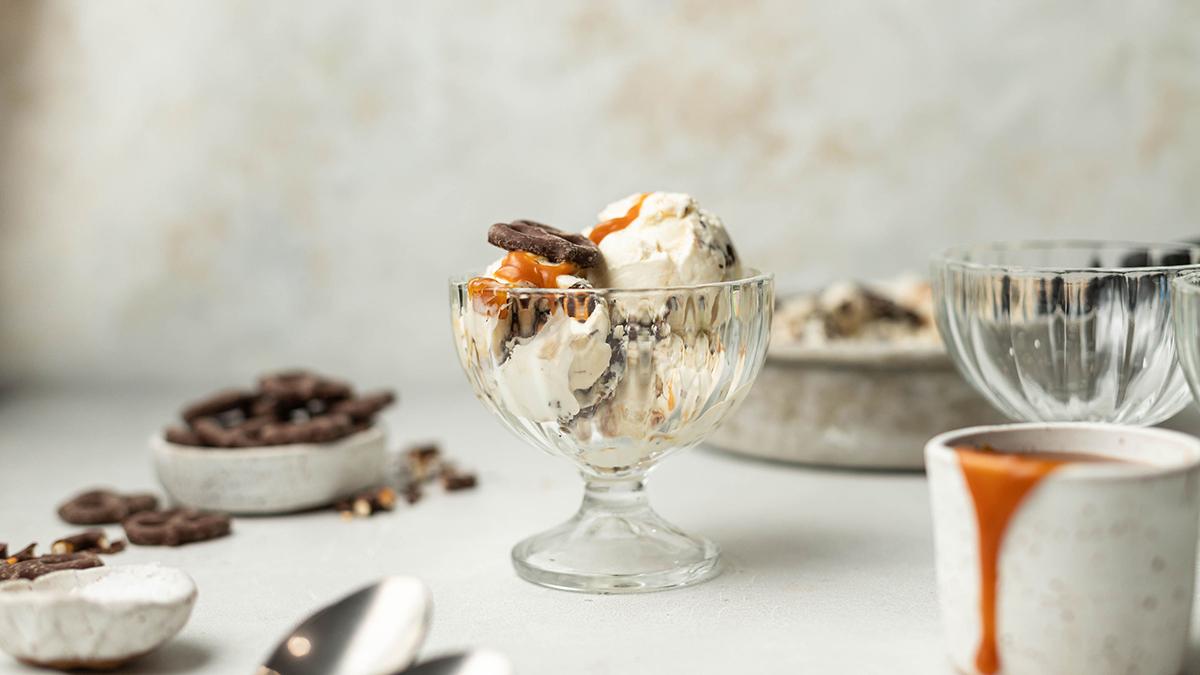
(269, 479)
(93, 618)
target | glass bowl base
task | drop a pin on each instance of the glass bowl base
(608, 553)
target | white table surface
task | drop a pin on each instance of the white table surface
(824, 571)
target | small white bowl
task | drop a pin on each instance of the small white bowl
(1096, 566)
(95, 618)
(269, 479)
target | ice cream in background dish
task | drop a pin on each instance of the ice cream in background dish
(625, 373)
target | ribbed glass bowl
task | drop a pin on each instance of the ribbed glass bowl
(1056, 331)
(614, 380)
(1185, 298)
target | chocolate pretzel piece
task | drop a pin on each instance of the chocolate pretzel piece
(33, 568)
(365, 407)
(549, 242)
(88, 541)
(175, 527)
(224, 401)
(102, 507)
(294, 387)
(367, 502)
(20, 556)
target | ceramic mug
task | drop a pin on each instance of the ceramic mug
(1094, 569)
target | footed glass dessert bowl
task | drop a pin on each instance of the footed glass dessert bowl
(613, 380)
(1066, 331)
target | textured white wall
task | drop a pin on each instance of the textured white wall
(199, 189)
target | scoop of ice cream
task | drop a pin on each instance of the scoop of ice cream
(669, 241)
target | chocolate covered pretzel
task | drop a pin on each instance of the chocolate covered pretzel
(88, 541)
(20, 556)
(549, 242)
(102, 507)
(294, 406)
(224, 401)
(33, 568)
(365, 407)
(175, 527)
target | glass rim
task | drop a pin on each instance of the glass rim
(953, 256)
(750, 276)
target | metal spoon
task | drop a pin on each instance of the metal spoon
(479, 662)
(376, 630)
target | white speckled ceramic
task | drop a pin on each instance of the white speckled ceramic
(857, 407)
(272, 479)
(93, 618)
(1097, 565)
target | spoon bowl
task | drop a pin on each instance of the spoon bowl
(375, 630)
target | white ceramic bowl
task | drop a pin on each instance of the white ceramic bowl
(1096, 566)
(269, 479)
(93, 618)
(852, 406)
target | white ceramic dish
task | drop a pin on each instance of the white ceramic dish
(270, 479)
(94, 618)
(1096, 566)
(854, 406)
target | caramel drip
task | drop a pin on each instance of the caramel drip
(999, 483)
(488, 295)
(606, 228)
(521, 268)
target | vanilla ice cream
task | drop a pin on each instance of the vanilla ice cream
(671, 241)
(543, 373)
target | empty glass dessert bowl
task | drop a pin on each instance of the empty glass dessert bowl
(613, 380)
(1066, 330)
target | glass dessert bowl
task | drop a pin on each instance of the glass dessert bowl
(614, 380)
(1058, 331)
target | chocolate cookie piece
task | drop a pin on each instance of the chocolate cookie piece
(549, 242)
(102, 507)
(89, 541)
(222, 401)
(175, 527)
(36, 567)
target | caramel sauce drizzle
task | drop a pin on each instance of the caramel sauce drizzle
(998, 483)
(521, 268)
(606, 228)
